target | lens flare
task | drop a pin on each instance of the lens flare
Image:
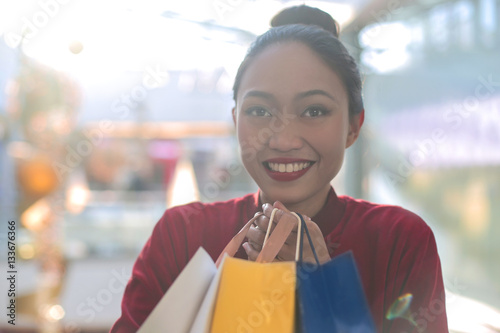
(401, 309)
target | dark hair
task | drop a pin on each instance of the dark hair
(306, 15)
(327, 46)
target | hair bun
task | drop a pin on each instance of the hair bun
(306, 15)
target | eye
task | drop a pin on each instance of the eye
(258, 111)
(315, 111)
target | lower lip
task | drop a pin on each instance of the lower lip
(286, 176)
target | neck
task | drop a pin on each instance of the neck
(309, 207)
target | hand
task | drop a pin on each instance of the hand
(257, 233)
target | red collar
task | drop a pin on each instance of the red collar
(330, 215)
(327, 218)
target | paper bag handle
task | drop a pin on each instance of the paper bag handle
(272, 242)
(235, 243)
(280, 233)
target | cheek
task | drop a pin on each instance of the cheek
(246, 140)
(331, 146)
(244, 133)
(253, 134)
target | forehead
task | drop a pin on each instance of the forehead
(290, 68)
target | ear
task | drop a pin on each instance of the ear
(355, 124)
(234, 115)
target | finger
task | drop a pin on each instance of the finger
(257, 247)
(256, 235)
(268, 209)
(292, 238)
(314, 232)
(290, 215)
(262, 222)
(280, 206)
(251, 252)
(313, 228)
(279, 258)
(318, 242)
(268, 213)
(287, 253)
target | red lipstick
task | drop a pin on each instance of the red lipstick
(286, 176)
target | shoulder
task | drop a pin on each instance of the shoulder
(211, 225)
(387, 231)
(386, 219)
(200, 212)
(198, 209)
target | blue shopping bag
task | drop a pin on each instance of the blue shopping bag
(330, 297)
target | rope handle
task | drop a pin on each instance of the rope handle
(300, 240)
(271, 219)
(299, 232)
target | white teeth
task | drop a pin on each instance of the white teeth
(289, 167)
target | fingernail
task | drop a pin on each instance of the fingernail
(245, 247)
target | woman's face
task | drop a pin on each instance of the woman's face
(293, 125)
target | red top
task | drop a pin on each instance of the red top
(394, 249)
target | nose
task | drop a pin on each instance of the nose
(286, 137)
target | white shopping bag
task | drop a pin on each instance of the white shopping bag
(176, 311)
(203, 320)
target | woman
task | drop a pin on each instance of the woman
(298, 106)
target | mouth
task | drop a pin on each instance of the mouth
(287, 169)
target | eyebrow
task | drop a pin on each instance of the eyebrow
(315, 92)
(258, 93)
(268, 96)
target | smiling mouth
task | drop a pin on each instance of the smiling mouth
(287, 167)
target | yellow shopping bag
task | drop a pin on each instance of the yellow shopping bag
(257, 296)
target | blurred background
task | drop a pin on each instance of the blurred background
(112, 111)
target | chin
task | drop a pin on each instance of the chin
(288, 197)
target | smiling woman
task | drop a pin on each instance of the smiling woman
(298, 107)
(318, 128)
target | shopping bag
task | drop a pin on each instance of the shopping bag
(203, 319)
(258, 296)
(331, 296)
(255, 297)
(177, 309)
(187, 306)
